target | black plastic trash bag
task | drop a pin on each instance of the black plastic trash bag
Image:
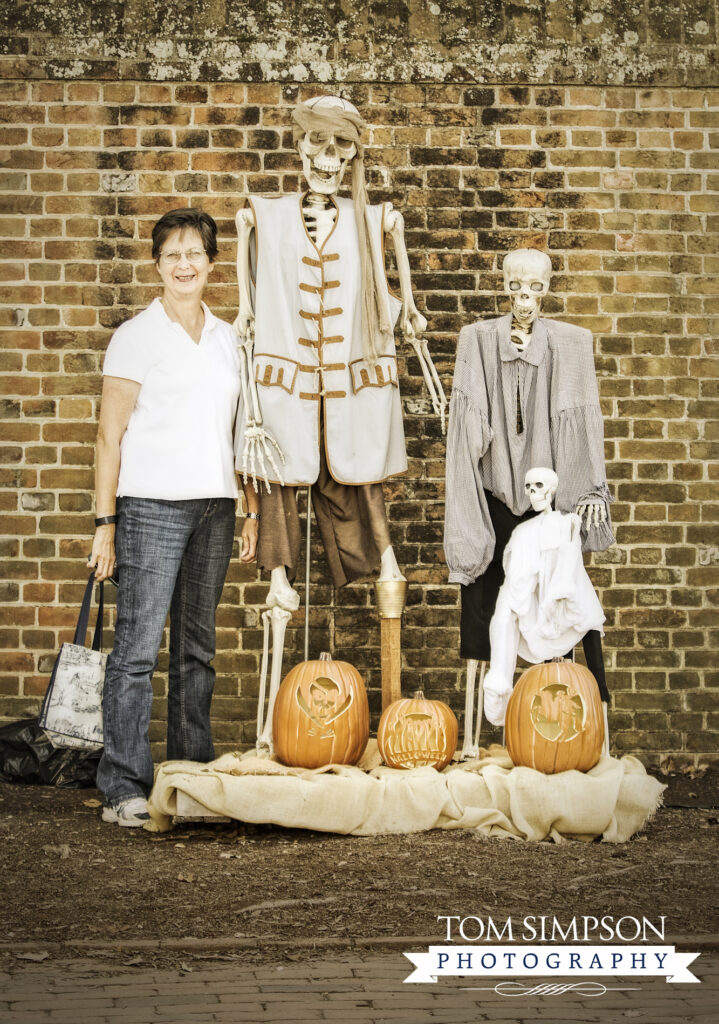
(27, 755)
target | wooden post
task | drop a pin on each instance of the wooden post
(391, 595)
(391, 661)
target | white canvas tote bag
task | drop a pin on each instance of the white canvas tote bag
(71, 713)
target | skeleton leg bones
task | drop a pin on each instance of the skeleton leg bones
(276, 618)
(470, 746)
(282, 600)
(480, 707)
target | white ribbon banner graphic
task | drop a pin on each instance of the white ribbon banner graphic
(556, 961)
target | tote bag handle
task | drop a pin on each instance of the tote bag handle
(84, 617)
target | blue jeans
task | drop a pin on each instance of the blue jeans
(171, 556)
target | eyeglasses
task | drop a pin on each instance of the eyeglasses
(193, 256)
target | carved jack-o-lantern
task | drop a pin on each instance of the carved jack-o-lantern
(321, 715)
(417, 733)
(554, 719)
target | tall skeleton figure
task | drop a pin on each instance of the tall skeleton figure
(524, 395)
(320, 389)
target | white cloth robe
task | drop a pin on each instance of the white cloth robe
(545, 606)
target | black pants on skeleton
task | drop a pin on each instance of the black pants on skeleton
(479, 599)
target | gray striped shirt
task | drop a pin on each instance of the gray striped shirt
(554, 384)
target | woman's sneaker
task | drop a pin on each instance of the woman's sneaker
(130, 813)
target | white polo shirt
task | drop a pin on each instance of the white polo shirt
(179, 440)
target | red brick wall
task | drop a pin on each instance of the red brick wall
(619, 184)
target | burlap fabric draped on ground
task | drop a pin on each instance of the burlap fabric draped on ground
(613, 800)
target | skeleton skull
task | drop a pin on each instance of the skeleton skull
(324, 156)
(526, 281)
(324, 695)
(540, 485)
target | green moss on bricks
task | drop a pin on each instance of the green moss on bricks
(452, 41)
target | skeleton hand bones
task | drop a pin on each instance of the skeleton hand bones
(429, 370)
(592, 514)
(413, 323)
(257, 449)
(244, 327)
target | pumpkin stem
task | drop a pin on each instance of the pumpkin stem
(325, 656)
(418, 695)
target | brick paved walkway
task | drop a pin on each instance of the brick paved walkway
(349, 989)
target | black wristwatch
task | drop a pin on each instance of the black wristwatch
(105, 520)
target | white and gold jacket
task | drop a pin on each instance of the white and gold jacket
(309, 355)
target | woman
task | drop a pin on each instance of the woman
(165, 500)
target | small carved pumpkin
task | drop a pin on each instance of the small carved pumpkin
(321, 714)
(417, 733)
(554, 718)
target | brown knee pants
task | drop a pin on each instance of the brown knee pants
(352, 522)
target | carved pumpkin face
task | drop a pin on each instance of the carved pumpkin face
(325, 702)
(554, 719)
(417, 733)
(321, 715)
(557, 714)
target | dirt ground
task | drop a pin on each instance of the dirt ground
(66, 876)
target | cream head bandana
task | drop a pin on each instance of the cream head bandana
(346, 124)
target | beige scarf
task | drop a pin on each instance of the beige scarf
(345, 124)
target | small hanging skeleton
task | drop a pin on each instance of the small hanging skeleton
(547, 602)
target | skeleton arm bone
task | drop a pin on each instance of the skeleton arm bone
(412, 320)
(244, 325)
(258, 444)
(245, 320)
(413, 323)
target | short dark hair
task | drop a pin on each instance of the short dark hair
(186, 217)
